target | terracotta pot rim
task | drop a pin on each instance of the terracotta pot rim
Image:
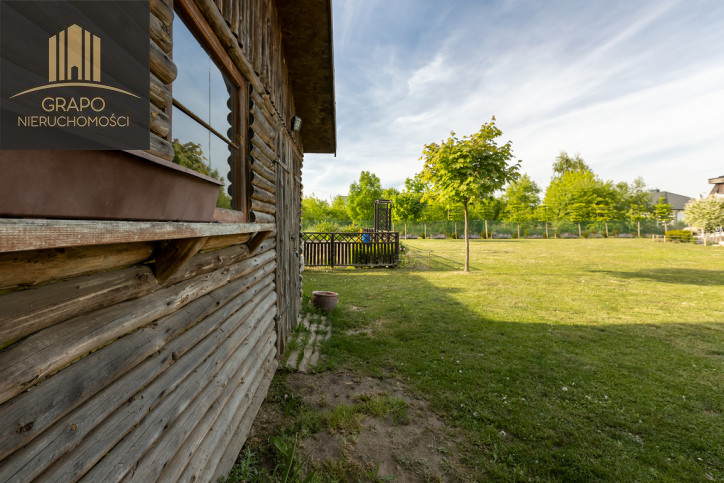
(324, 293)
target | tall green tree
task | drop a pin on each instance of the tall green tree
(338, 209)
(521, 198)
(706, 214)
(315, 210)
(190, 155)
(362, 196)
(663, 212)
(565, 163)
(469, 168)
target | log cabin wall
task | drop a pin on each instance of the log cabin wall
(107, 374)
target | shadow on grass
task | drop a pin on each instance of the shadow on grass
(532, 400)
(674, 275)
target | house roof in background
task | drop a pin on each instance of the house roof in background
(309, 53)
(677, 202)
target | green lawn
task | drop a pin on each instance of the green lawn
(556, 359)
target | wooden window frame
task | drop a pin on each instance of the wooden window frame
(199, 27)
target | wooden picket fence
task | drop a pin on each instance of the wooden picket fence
(369, 249)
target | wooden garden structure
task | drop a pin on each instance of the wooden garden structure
(141, 348)
(368, 249)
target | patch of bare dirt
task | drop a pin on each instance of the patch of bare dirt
(419, 449)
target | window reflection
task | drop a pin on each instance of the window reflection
(201, 90)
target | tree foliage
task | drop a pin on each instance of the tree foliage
(706, 214)
(565, 163)
(521, 199)
(663, 211)
(190, 155)
(469, 168)
(362, 196)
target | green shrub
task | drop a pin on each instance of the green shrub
(326, 227)
(683, 236)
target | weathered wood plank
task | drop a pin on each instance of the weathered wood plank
(160, 122)
(44, 352)
(160, 35)
(26, 234)
(257, 205)
(262, 195)
(263, 108)
(36, 267)
(259, 131)
(229, 414)
(161, 10)
(216, 392)
(121, 455)
(260, 158)
(262, 217)
(263, 147)
(260, 124)
(263, 171)
(248, 415)
(165, 342)
(214, 243)
(174, 255)
(160, 147)
(263, 183)
(222, 215)
(160, 94)
(29, 311)
(161, 64)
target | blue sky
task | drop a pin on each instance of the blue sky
(635, 87)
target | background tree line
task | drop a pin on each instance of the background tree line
(575, 194)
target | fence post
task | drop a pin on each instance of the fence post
(331, 250)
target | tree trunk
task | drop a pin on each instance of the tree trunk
(486, 230)
(424, 228)
(467, 240)
(606, 224)
(579, 230)
(518, 231)
(639, 228)
(405, 230)
(546, 230)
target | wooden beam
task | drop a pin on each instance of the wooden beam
(256, 240)
(31, 234)
(174, 255)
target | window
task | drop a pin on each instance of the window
(209, 103)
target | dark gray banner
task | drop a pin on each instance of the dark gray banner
(74, 74)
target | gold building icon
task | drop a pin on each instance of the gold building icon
(74, 54)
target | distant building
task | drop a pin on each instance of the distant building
(677, 202)
(718, 189)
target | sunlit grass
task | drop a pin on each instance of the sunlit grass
(555, 359)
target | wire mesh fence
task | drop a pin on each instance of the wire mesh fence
(506, 229)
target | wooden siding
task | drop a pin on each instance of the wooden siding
(106, 374)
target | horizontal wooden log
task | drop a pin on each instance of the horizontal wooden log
(160, 34)
(262, 195)
(205, 459)
(161, 64)
(260, 124)
(44, 352)
(224, 241)
(29, 311)
(260, 158)
(160, 93)
(260, 181)
(262, 217)
(120, 456)
(162, 11)
(26, 234)
(263, 108)
(262, 170)
(223, 215)
(263, 147)
(257, 205)
(217, 391)
(160, 122)
(240, 396)
(123, 368)
(259, 131)
(41, 266)
(246, 416)
(161, 148)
